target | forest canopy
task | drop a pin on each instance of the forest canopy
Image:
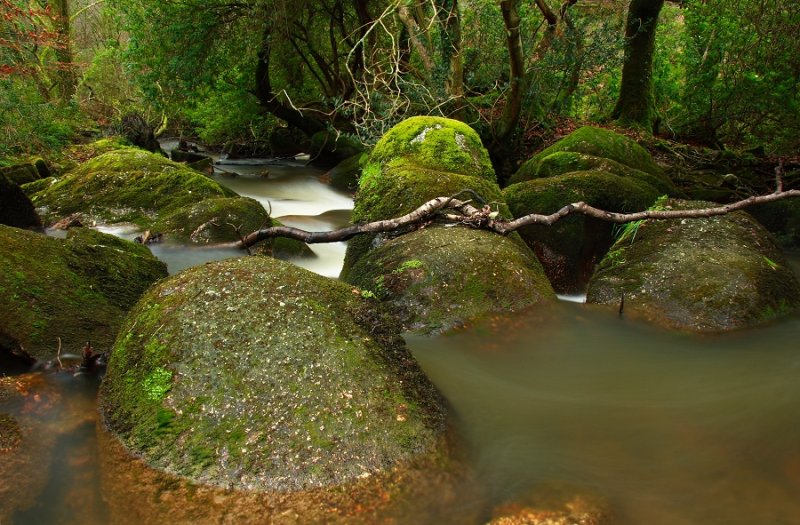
(711, 72)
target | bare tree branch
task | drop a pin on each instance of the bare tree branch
(463, 212)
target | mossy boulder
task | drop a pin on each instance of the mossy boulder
(210, 220)
(254, 374)
(594, 142)
(73, 289)
(562, 162)
(702, 275)
(439, 278)
(782, 218)
(437, 144)
(16, 208)
(127, 185)
(20, 174)
(570, 248)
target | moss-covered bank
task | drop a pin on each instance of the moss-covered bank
(702, 275)
(73, 289)
(256, 374)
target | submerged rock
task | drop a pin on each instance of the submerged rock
(554, 504)
(254, 374)
(460, 274)
(69, 290)
(702, 275)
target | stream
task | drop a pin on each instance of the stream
(664, 428)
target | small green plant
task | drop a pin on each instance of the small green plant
(408, 265)
(772, 264)
(367, 294)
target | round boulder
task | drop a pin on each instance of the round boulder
(436, 278)
(703, 275)
(254, 374)
(15, 207)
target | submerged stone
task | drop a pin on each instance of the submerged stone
(254, 374)
(703, 275)
(64, 292)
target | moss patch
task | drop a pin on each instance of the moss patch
(570, 248)
(75, 289)
(435, 143)
(438, 278)
(702, 275)
(596, 142)
(209, 221)
(127, 185)
(257, 374)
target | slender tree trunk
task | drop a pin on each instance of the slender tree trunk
(67, 81)
(269, 99)
(516, 57)
(636, 104)
(450, 18)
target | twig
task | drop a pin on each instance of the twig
(58, 354)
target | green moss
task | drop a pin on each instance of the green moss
(73, 290)
(710, 274)
(213, 220)
(127, 185)
(438, 278)
(21, 174)
(596, 142)
(570, 248)
(435, 143)
(562, 162)
(277, 379)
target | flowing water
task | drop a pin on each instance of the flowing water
(664, 428)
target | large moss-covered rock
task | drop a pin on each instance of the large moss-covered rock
(344, 176)
(127, 185)
(439, 278)
(253, 373)
(595, 142)
(16, 208)
(570, 248)
(702, 275)
(21, 173)
(562, 162)
(73, 289)
(212, 221)
(435, 143)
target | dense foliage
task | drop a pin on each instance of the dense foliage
(723, 73)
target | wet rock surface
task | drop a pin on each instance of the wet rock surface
(64, 292)
(257, 375)
(703, 275)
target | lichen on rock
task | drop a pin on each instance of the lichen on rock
(702, 275)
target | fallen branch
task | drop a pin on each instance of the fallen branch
(463, 212)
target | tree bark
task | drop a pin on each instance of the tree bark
(269, 99)
(67, 81)
(636, 103)
(450, 19)
(516, 59)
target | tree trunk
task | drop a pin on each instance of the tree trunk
(450, 18)
(67, 82)
(516, 58)
(636, 104)
(270, 101)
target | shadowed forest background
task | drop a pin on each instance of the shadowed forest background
(270, 76)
